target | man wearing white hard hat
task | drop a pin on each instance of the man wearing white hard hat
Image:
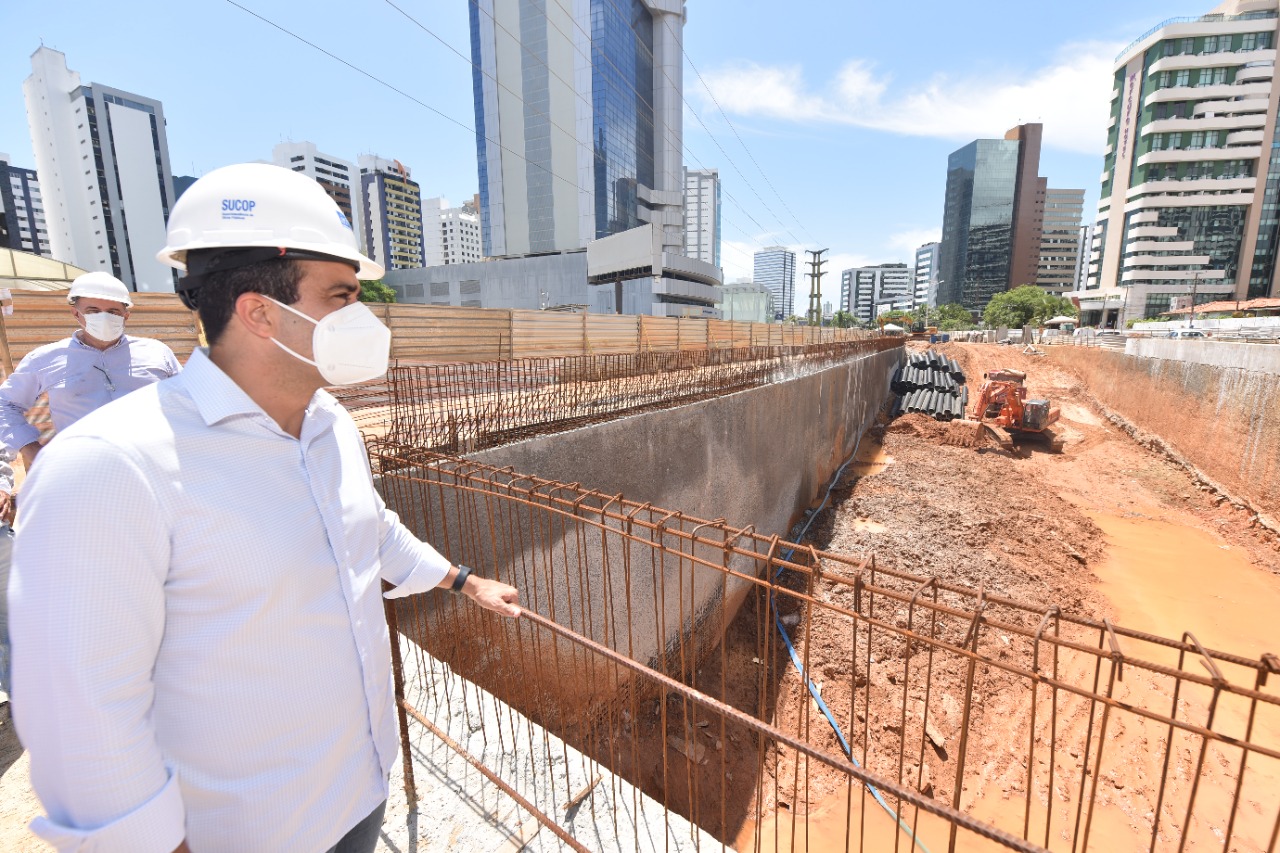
(204, 662)
(97, 364)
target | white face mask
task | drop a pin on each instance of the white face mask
(104, 326)
(350, 345)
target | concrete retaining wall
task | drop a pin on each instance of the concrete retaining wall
(1259, 358)
(1224, 419)
(758, 457)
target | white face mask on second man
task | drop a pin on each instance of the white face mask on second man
(350, 345)
(104, 326)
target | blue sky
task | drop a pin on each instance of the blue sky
(847, 110)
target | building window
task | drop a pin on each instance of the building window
(1197, 140)
(1187, 45)
(1248, 40)
(1211, 139)
(1264, 41)
(1210, 44)
(1183, 78)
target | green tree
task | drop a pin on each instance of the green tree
(1027, 305)
(949, 318)
(792, 320)
(376, 291)
(843, 320)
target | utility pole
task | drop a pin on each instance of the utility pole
(815, 285)
(1195, 281)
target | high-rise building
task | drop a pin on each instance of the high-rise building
(451, 235)
(992, 218)
(578, 121)
(102, 155)
(775, 270)
(22, 223)
(1190, 175)
(391, 209)
(182, 183)
(868, 292)
(702, 215)
(926, 291)
(1084, 247)
(1060, 240)
(338, 177)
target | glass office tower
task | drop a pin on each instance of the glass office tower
(977, 224)
(578, 121)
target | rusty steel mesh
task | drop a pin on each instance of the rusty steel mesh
(666, 649)
(457, 408)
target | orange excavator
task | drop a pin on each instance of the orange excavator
(1003, 408)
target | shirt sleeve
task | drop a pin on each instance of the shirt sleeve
(17, 394)
(87, 615)
(408, 563)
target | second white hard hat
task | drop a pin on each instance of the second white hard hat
(256, 205)
(100, 285)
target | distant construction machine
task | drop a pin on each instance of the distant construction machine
(1002, 407)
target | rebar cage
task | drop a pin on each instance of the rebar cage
(765, 693)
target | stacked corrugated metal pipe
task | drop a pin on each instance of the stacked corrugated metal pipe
(930, 384)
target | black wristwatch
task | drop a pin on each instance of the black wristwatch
(460, 581)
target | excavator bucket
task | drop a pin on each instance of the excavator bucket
(965, 433)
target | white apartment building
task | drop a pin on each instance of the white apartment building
(102, 157)
(926, 276)
(774, 269)
(868, 292)
(450, 235)
(338, 177)
(1084, 246)
(1188, 196)
(702, 215)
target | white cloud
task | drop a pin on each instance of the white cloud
(906, 242)
(1069, 95)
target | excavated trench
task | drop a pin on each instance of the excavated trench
(1106, 529)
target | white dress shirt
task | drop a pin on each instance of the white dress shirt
(199, 644)
(79, 378)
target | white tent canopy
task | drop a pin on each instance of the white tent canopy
(25, 271)
(1059, 320)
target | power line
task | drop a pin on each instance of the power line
(457, 122)
(741, 142)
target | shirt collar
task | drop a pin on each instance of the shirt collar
(217, 396)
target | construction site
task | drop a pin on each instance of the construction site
(836, 592)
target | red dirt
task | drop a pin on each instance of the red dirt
(1019, 525)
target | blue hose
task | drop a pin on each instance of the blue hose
(799, 665)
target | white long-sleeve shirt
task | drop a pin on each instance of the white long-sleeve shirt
(79, 379)
(199, 644)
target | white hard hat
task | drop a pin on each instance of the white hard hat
(100, 285)
(256, 205)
